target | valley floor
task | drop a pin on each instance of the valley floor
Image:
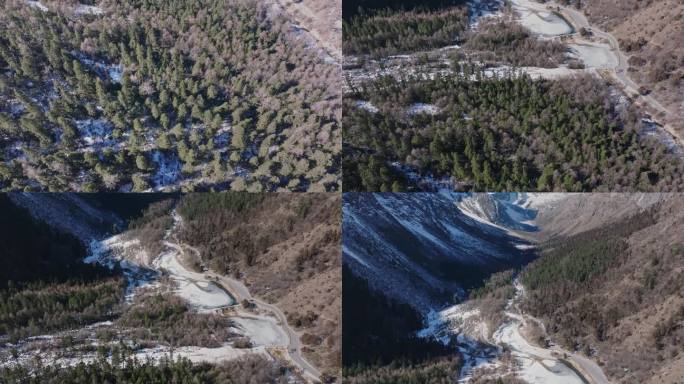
(263, 325)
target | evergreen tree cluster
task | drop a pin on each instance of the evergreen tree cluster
(503, 133)
(168, 319)
(158, 91)
(252, 369)
(569, 269)
(509, 43)
(390, 31)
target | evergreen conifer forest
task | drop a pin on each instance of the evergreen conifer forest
(163, 95)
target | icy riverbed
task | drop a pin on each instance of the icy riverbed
(541, 21)
(193, 287)
(533, 364)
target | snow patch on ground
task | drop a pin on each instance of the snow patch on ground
(450, 47)
(168, 169)
(113, 71)
(535, 72)
(82, 9)
(261, 331)
(423, 108)
(594, 55)
(16, 108)
(37, 5)
(198, 354)
(94, 131)
(540, 200)
(464, 326)
(652, 129)
(503, 211)
(367, 106)
(480, 9)
(115, 251)
(444, 324)
(426, 182)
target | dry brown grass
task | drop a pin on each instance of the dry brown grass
(322, 18)
(655, 30)
(644, 294)
(299, 269)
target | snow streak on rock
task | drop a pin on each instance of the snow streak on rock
(423, 248)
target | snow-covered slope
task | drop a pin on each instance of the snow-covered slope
(425, 248)
(68, 212)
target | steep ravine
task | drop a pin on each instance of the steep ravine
(427, 250)
(488, 352)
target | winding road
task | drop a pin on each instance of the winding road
(540, 365)
(240, 292)
(620, 72)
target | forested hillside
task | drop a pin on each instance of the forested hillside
(138, 95)
(379, 341)
(286, 248)
(473, 131)
(650, 34)
(44, 285)
(615, 294)
(390, 31)
(248, 370)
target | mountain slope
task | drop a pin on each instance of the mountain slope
(604, 286)
(615, 292)
(285, 248)
(424, 249)
(652, 34)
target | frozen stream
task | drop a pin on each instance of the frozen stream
(193, 287)
(541, 21)
(536, 365)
